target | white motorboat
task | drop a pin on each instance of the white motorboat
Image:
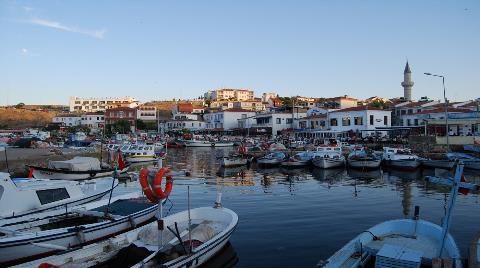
(210, 230)
(25, 241)
(234, 161)
(140, 153)
(400, 158)
(328, 156)
(40, 198)
(402, 243)
(271, 159)
(361, 158)
(301, 159)
(77, 168)
(406, 242)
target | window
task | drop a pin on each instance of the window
(385, 120)
(358, 120)
(408, 122)
(289, 120)
(52, 195)
(333, 122)
(415, 122)
(371, 119)
(279, 120)
(346, 121)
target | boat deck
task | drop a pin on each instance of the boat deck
(424, 244)
(125, 207)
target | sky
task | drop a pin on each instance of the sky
(154, 50)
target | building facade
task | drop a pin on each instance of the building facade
(226, 119)
(78, 104)
(229, 94)
(93, 120)
(362, 120)
(147, 113)
(114, 115)
(67, 120)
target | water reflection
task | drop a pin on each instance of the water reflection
(225, 258)
(340, 202)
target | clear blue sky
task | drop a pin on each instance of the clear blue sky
(50, 50)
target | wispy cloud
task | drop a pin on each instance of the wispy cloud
(99, 34)
(24, 51)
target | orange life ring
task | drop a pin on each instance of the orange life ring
(146, 186)
(157, 184)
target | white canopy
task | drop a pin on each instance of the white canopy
(78, 163)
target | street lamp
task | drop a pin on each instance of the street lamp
(446, 106)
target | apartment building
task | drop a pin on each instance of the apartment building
(78, 104)
(229, 94)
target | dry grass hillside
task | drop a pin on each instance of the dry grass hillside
(20, 118)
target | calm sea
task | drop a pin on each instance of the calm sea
(294, 218)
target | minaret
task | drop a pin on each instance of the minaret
(407, 83)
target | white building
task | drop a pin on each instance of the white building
(147, 113)
(273, 123)
(78, 104)
(363, 120)
(418, 118)
(93, 120)
(226, 119)
(229, 94)
(67, 120)
(179, 124)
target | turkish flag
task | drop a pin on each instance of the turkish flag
(121, 163)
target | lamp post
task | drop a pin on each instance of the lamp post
(446, 107)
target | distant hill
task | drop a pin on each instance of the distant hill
(21, 118)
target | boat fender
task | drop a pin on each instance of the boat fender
(47, 265)
(147, 190)
(157, 184)
(30, 172)
(81, 236)
(416, 214)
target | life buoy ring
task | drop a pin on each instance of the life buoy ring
(157, 184)
(147, 190)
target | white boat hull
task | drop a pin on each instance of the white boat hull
(233, 162)
(269, 162)
(367, 164)
(322, 162)
(295, 163)
(19, 248)
(421, 236)
(59, 175)
(105, 250)
(137, 159)
(403, 163)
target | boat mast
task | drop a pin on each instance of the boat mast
(189, 222)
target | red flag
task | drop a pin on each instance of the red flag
(121, 163)
(463, 190)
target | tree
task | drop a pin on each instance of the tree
(141, 125)
(380, 104)
(20, 105)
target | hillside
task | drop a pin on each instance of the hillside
(20, 118)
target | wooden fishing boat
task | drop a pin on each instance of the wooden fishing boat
(301, 159)
(187, 239)
(360, 158)
(271, 159)
(40, 198)
(328, 156)
(400, 158)
(406, 242)
(437, 163)
(78, 168)
(25, 241)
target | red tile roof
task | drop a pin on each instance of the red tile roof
(358, 108)
(236, 110)
(185, 107)
(442, 110)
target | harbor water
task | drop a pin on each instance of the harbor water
(296, 217)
